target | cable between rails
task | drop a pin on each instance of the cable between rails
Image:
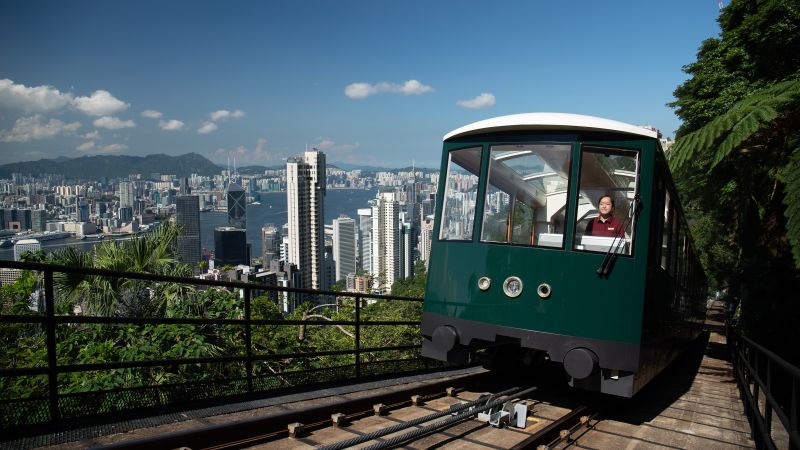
(499, 399)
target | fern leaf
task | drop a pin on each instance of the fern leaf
(792, 202)
(742, 121)
(743, 129)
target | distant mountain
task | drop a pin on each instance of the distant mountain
(348, 166)
(93, 167)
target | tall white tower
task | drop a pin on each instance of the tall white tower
(344, 246)
(386, 240)
(305, 193)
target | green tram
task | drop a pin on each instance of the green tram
(527, 257)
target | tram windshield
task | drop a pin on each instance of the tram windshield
(526, 194)
(606, 191)
(461, 190)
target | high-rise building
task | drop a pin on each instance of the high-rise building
(270, 244)
(127, 194)
(386, 262)
(237, 206)
(187, 216)
(39, 220)
(425, 239)
(26, 245)
(365, 239)
(305, 193)
(125, 214)
(81, 210)
(230, 247)
(344, 246)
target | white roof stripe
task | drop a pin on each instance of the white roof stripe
(550, 121)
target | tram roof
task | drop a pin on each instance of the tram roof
(549, 121)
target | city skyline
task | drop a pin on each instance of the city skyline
(263, 82)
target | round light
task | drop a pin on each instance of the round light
(484, 283)
(544, 290)
(512, 287)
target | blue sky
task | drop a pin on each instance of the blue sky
(370, 82)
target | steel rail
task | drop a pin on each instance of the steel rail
(264, 428)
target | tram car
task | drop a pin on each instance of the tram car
(560, 236)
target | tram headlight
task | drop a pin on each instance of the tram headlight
(484, 283)
(512, 287)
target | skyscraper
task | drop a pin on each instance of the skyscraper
(270, 244)
(187, 216)
(365, 239)
(386, 262)
(127, 194)
(230, 247)
(344, 246)
(305, 193)
(237, 207)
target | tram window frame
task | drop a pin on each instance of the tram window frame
(532, 237)
(477, 173)
(578, 225)
(666, 234)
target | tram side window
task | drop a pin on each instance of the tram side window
(526, 194)
(461, 190)
(666, 234)
(605, 217)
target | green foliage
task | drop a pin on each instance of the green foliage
(414, 286)
(23, 345)
(736, 163)
(742, 122)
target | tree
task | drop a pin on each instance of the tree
(737, 162)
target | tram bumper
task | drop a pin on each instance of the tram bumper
(443, 345)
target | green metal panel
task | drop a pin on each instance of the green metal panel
(581, 303)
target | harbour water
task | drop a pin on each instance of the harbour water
(272, 209)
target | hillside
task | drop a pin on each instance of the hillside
(93, 167)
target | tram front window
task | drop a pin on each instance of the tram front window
(606, 191)
(461, 190)
(526, 194)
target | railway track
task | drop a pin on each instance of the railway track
(477, 410)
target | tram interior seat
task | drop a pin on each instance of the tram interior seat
(550, 240)
(602, 244)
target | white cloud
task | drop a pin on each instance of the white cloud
(484, 100)
(225, 114)
(113, 123)
(31, 128)
(170, 125)
(338, 152)
(151, 114)
(85, 147)
(259, 155)
(31, 99)
(112, 148)
(208, 127)
(328, 145)
(364, 90)
(92, 135)
(100, 103)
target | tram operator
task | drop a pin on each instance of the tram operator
(605, 224)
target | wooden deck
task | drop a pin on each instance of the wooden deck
(708, 414)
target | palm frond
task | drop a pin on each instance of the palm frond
(792, 202)
(727, 132)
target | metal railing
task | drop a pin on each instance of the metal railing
(60, 405)
(768, 386)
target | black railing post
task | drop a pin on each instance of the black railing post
(52, 358)
(767, 404)
(358, 336)
(248, 340)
